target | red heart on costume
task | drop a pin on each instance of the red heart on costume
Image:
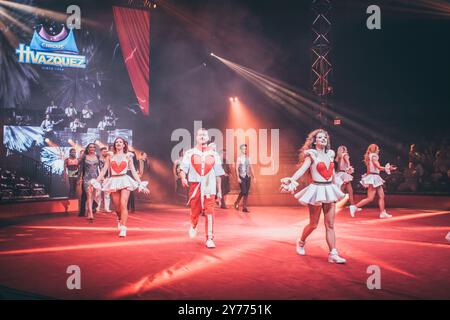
(323, 171)
(196, 161)
(118, 168)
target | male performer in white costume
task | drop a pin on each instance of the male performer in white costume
(204, 168)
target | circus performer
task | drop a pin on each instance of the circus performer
(344, 173)
(316, 160)
(204, 169)
(119, 184)
(89, 167)
(373, 182)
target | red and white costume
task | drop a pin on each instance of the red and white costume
(119, 179)
(323, 189)
(202, 168)
(372, 177)
(343, 169)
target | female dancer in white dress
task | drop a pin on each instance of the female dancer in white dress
(344, 173)
(316, 158)
(372, 180)
(119, 184)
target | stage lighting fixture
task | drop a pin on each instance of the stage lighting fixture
(70, 141)
(212, 54)
(154, 6)
(231, 99)
(47, 140)
(236, 99)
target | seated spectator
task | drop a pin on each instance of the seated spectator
(411, 177)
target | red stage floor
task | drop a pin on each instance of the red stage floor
(255, 256)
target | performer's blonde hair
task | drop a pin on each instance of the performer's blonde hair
(310, 143)
(373, 148)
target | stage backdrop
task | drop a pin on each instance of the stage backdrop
(133, 29)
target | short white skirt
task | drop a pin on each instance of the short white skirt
(373, 180)
(316, 194)
(115, 183)
(344, 176)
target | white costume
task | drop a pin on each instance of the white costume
(323, 189)
(343, 170)
(372, 177)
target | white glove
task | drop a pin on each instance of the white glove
(143, 185)
(288, 185)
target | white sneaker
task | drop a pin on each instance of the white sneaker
(108, 210)
(123, 231)
(353, 209)
(192, 232)
(333, 257)
(448, 237)
(385, 215)
(210, 243)
(300, 247)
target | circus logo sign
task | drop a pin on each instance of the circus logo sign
(58, 50)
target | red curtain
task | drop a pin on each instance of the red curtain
(133, 29)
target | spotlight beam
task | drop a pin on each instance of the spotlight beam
(294, 100)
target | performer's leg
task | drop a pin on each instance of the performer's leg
(330, 212)
(247, 190)
(99, 199)
(89, 201)
(350, 193)
(222, 202)
(124, 196)
(380, 193)
(107, 201)
(209, 216)
(236, 203)
(82, 202)
(72, 188)
(196, 206)
(314, 216)
(115, 196)
(370, 197)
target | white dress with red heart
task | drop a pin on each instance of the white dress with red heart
(343, 169)
(119, 179)
(323, 189)
(372, 177)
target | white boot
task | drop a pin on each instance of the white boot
(123, 231)
(192, 232)
(333, 257)
(353, 209)
(107, 203)
(385, 215)
(210, 244)
(300, 247)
